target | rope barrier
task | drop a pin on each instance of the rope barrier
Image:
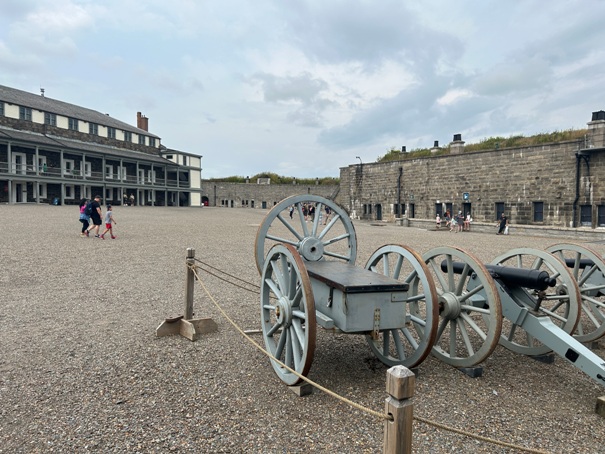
(332, 393)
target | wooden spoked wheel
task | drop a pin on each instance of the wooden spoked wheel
(470, 315)
(411, 344)
(561, 303)
(588, 270)
(313, 237)
(287, 313)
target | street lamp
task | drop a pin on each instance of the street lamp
(359, 159)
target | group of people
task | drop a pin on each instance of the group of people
(456, 223)
(90, 210)
(308, 210)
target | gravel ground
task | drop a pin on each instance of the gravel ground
(82, 371)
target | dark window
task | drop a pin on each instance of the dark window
(450, 208)
(152, 141)
(25, 113)
(72, 124)
(586, 215)
(538, 211)
(411, 213)
(111, 133)
(169, 156)
(499, 210)
(601, 215)
(399, 209)
(50, 119)
(439, 209)
(141, 139)
(127, 136)
(466, 208)
(1, 109)
(93, 129)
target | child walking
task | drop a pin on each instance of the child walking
(108, 221)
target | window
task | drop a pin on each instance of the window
(111, 133)
(538, 211)
(93, 129)
(42, 167)
(439, 209)
(42, 190)
(87, 169)
(151, 176)
(72, 124)
(141, 176)
(25, 113)
(141, 139)
(68, 166)
(108, 195)
(109, 172)
(1, 109)
(170, 157)
(601, 215)
(499, 210)
(50, 119)
(449, 207)
(127, 136)
(586, 215)
(69, 191)
(186, 162)
(152, 141)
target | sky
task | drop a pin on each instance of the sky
(302, 88)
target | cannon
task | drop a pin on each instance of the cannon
(309, 279)
(539, 300)
(588, 270)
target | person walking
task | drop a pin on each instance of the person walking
(84, 218)
(503, 225)
(96, 215)
(108, 221)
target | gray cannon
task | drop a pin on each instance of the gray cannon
(536, 312)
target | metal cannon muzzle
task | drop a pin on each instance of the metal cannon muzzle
(511, 276)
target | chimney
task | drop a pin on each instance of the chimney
(435, 148)
(142, 122)
(457, 145)
(596, 130)
(403, 150)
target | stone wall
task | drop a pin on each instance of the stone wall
(252, 195)
(518, 178)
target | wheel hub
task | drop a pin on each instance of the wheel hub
(283, 312)
(311, 248)
(449, 306)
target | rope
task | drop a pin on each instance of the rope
(259, 347)
(339, 397)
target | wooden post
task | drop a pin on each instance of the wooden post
(186, 325)
(400, 388)
(189, 284)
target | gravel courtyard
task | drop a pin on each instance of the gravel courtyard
(81, 369)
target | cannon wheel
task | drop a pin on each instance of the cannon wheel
(561, 303)
(313, 241)
(411, 344)
(591, 281)
(287, 312)
(469, 308)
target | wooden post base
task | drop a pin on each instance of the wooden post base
(600, 409)
(191, 329)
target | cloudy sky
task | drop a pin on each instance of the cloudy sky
(303, 87)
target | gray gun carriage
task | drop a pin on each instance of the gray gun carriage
(444, 302)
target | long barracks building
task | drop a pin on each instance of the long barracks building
(55, 152)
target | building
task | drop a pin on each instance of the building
(558, 184)
(55, 152)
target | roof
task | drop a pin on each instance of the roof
(45, 104)
(77, 145)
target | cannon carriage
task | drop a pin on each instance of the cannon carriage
(445, 302)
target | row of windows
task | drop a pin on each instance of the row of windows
(73, 124)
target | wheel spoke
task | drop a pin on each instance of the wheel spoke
(288, 225)
(466, 339)
(273, 329)
(418, 321)
(344, 236)
(296, 355)
(412, 341)
(337, 256)
(385, 264)
(480, 310)
(280, 345)
(301, 218)
(450, 274)
(288, 361)
(470, 293)
(318, 209)
(586, 274)
(327, 228)
(474, 326)
(398, 345)
(453, 339)
(274, 287)
(462, 281)
(438, 273)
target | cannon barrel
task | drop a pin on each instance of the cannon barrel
(584, 263)
(520, 277)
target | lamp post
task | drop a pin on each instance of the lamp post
(359, 159)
